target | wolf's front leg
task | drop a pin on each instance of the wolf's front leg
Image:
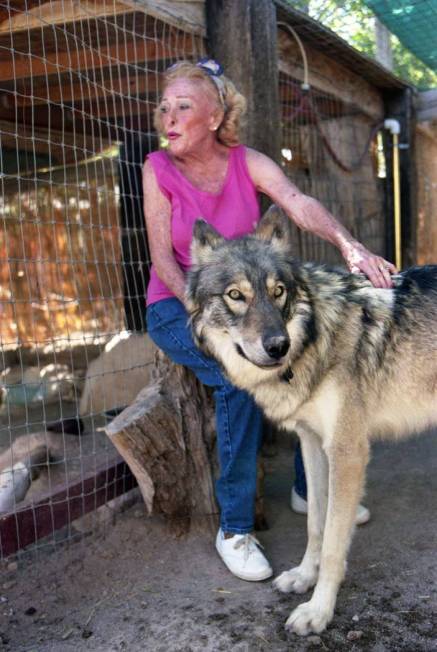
(303, 577)
(347, 464)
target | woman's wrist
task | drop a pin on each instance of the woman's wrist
(347, 244)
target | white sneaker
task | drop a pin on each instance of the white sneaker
(242, 555)
(300, 506)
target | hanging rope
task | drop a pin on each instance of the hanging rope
(307, 106)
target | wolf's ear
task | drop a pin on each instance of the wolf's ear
(205, 240)
(274, 227)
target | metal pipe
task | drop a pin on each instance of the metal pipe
(305, 86)
(397, 202)
(394, 127)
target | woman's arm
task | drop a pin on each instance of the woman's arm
(157, 211)
(311, 216)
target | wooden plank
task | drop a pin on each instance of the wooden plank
(129, 86)
(63, 146)
(242, 36)
(57, 12)
(29, 14)
(62, 506)
(7, 9)
(130, 52)
(185, 15)
(115, 107)
(92, 33)
(329, 76)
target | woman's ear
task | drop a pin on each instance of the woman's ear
(216, 119)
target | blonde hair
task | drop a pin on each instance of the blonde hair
(229, 100)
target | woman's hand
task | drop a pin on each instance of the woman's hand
(359, 259)
(310, 215)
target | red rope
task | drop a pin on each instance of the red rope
(306, 105)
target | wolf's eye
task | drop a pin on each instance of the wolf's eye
(236, 295)
(278, 291)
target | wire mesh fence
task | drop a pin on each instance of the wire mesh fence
(78, 86)
(330, 147)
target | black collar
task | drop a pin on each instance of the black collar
(287, 375)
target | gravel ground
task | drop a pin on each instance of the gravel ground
(132, 587)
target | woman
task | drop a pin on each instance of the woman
(206, 172)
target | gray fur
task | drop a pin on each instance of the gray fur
(354, 362)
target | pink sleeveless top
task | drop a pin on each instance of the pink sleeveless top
(233, 212)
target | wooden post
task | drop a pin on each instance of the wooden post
(401, 106)
(242, 37)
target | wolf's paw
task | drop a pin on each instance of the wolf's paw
(295, 581)
(308, 618)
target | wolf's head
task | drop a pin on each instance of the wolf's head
(239, 292)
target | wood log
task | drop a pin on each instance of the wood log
(167, 437)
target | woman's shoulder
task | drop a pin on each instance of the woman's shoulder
(160, 164)
(156, 172)
(259, 165)
(255, 158)
(159, 158)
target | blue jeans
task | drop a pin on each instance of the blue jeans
(238, 420)
(300, 483)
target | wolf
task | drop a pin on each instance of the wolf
(327, 355)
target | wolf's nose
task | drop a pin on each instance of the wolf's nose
(276, 346)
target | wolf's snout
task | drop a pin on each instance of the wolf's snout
(276, 346)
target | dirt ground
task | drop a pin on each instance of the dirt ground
(132, 587)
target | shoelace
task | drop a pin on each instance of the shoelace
(249, 542)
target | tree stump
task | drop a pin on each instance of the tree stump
(167, 437)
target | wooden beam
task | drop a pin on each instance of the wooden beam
(114, 107)
(63, 146)
(185, 15)
(57, 12)
(242, 36)
(131, 52)
(30, 14)
(82, 92)
(63, 505)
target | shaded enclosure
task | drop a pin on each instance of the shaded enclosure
(78, 85)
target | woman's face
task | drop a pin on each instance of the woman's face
(188, 116)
